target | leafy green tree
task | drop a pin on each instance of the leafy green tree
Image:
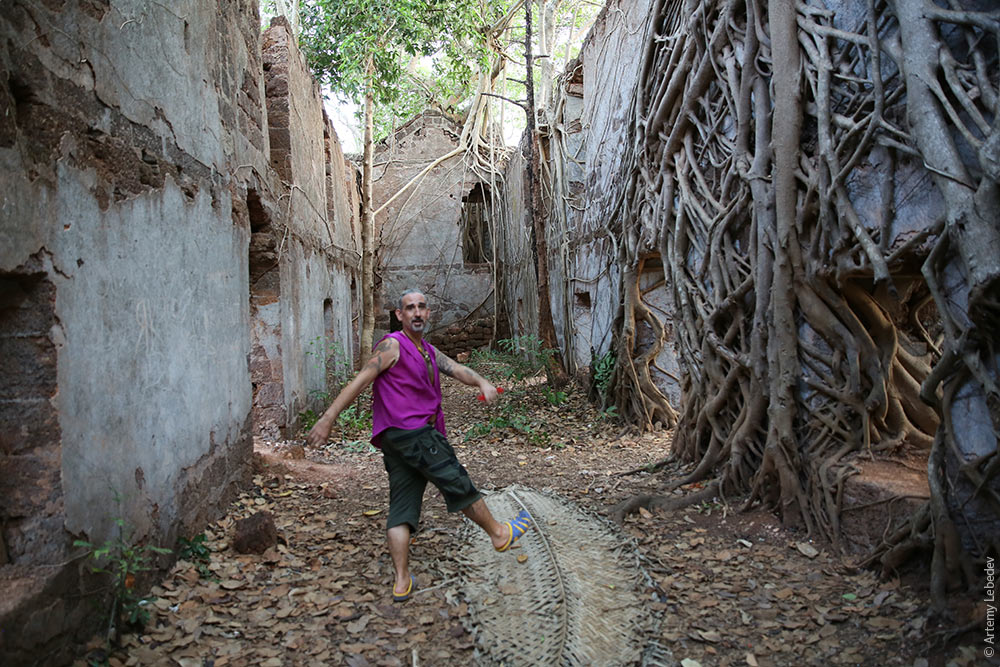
(364, 48)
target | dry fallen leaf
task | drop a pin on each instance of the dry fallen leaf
(806, 549)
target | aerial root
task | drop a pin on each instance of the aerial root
(662, 502)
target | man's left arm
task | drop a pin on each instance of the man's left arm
(466, 375)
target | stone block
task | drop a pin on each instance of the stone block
(27, 423)
(28, 366)
(260, 370)
(255, 534)
(44, 624)
(269, 394)
(276, 86)
(28, 482)
(25, 307)
(37, 539)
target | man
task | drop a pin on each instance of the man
(408, 426)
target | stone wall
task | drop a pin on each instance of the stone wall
(142, 230)
(609, 77)
(317, 256)
(589, 140)
(463, 337)
(420, 234)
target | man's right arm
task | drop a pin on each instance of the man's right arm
(384, 357)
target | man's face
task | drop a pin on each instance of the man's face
(413, 314)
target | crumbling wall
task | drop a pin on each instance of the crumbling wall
(593, 94)
(464, 336)
(419, 233)
(315, 254)
(137, 208)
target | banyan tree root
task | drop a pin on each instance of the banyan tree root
(820, 311)
(662, 503)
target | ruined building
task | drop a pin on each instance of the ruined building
(177, 249)
(435, 235)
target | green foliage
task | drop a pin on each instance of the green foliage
(359, 446)
(555, 398)
(309, 417)
(342, 37)
(602, 368)
(355, 419)
(120, 559)
(196, 551)
(518, 358)
(708, 507)
(338, 366)
(335, 362)
(512, 414)
(388, 117)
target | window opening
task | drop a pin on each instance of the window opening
(477, 247)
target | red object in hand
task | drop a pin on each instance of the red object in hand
(482, 397)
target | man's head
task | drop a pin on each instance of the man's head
(412, 312)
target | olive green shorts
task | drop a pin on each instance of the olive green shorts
(414, 457)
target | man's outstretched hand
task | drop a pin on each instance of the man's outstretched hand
(489, 393)
(319, 433)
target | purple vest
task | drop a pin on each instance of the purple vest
(403, 396)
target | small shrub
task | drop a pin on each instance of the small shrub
(555, 398)
(121, 560)
(196, 551)
(602, 369)
(355, 419)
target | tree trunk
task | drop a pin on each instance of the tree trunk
(547, 44)
(546, 327)
(367, 228)
(781, 452)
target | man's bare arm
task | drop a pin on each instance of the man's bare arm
(385, 355)
(466, 375)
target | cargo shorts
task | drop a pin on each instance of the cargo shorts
(414, 457)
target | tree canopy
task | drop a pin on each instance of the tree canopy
(340, 36)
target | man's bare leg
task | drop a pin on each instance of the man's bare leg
(479, 513)
(399, 549)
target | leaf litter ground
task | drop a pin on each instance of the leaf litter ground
(732, 588)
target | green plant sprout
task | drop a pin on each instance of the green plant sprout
(121, 560)
(196, 551)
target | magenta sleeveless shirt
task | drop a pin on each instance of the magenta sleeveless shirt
(403, 396)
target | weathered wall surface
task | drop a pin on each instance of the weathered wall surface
(420, 236)
(134, 170)
(317, 256)
(586, 141)
(519, 283)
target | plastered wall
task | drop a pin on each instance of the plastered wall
(135, 166)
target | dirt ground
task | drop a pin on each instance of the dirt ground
(731, 588)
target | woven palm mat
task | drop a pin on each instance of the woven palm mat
(571, 591)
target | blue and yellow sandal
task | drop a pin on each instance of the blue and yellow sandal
(406, 595)
(518, 527)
